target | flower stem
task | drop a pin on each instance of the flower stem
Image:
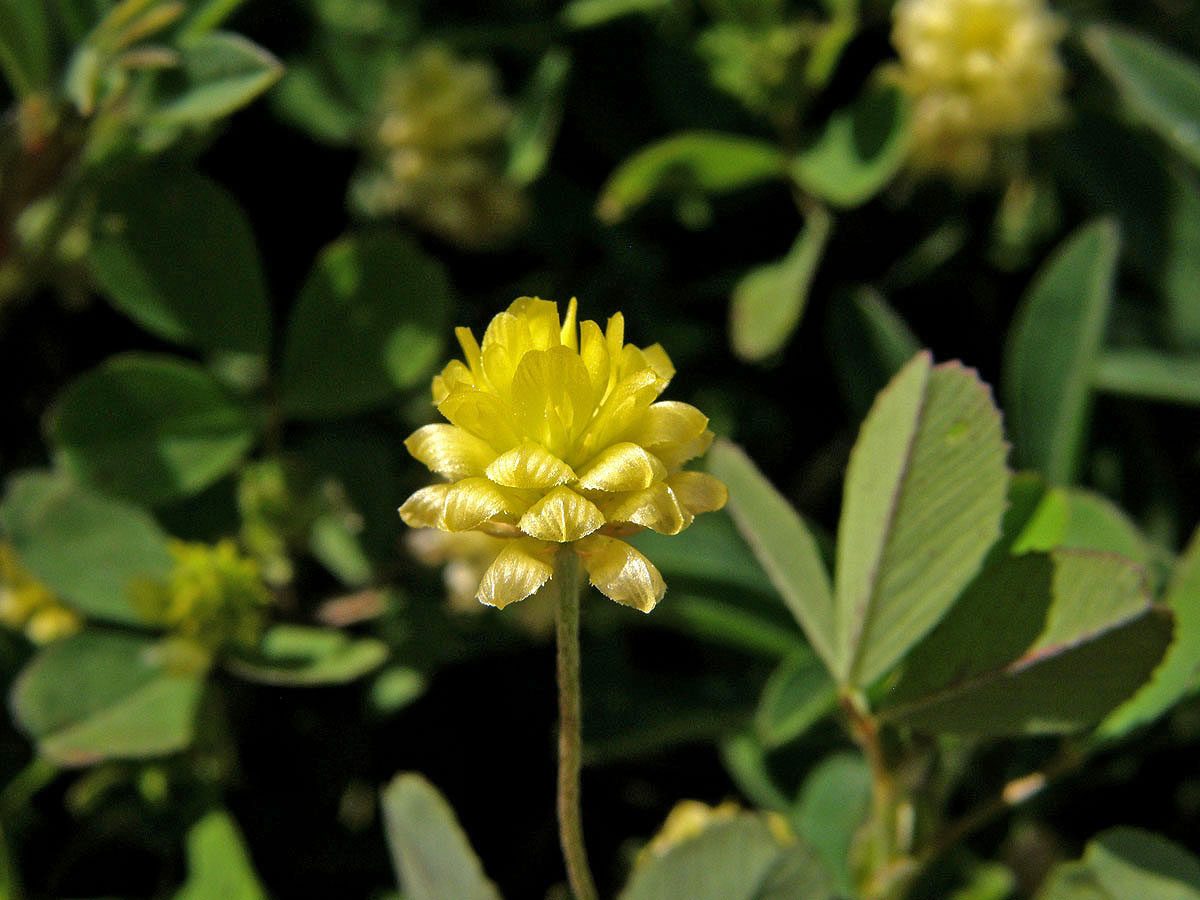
(570, 820)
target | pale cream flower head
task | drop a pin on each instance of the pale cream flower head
(978, 71)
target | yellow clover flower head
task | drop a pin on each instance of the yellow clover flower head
(214, 596)
(27, 604)
(554, 438)
(978, 71)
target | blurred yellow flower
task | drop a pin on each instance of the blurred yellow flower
(213, 597)
(465, 556)
(435, 151)
(28, 605)
(688, 819)
(978, 71)
(555, 438)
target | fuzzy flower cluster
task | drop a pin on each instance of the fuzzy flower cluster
(978, 71)
(555, 438)
(28, 605)
(435, 151)
(213, 598)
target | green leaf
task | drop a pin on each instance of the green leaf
(26, 57)
(1040, 645)
(1124, 863)
(1175, 678)
(692, 160)
(860, 150)
(987, 881)
(335, 543)
(219, 868)
(535, 126)
(1071, 881)
(174, 251)
(1129, 862)
(1082, 520)
(395, 688)
(151, 428)
(924, 498)
(205, 16)
(590, 13)
(1150, 375)
(1051, 355)
(306, 99)
(832, 807)
(722, 620)
(781, 541)
(100, 695)
(432, 856)
(738, 858)
(296, 655)
(710, 551)
(869, 343)
(222, 72)
(769, 300)
(369, 321)
(798, 694)
(745, 759)
(1160, 87)
(86, 547)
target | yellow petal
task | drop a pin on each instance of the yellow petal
(622, 412)
(561, 516)
(529, 466)
(569, 334)
(656, 508)
(460, 506)
(470, 503)
(622, 467)
(620, 572)
(699, 492)
(552, 398)
(515, 574)
(675, 455)
(483, 414)
(541, 320)
(594, 352)
(450, 451)
(659, 361)
(454, 377)
(424, 508)
(615, 336)
(470, 349)
(670, 422)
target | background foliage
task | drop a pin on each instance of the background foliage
(234, 240)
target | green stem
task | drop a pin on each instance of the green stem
(570, 820)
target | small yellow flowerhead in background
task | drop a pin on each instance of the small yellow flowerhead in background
(214, 597)
(978, 71)
(435, 151)
(555, 438)
(28, 605)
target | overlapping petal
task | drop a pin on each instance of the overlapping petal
(561, 516)
(460, 506)
(450, 451)
(656, 508)
(529, 466)
(516, 573)
(622, 467)
(621, 573)
(698, 492)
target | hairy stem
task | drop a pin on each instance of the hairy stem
(570, 820)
